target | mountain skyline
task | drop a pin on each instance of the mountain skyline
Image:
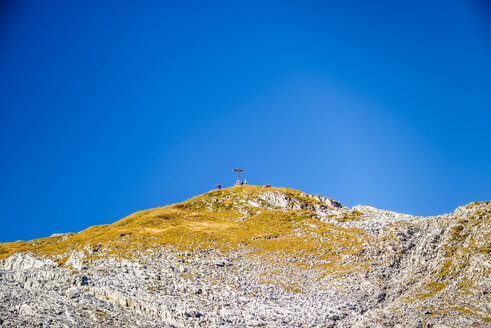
(109, 108)
(256, 256)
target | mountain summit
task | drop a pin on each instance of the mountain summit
(255, 256)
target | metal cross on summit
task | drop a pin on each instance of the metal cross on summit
(238, 174)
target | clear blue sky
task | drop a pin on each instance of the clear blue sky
(109, 107)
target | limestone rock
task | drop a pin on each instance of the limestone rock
(391, 270)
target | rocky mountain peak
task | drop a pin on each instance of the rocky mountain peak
(254, 256)
(247, 198)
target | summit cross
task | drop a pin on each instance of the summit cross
(238, 173)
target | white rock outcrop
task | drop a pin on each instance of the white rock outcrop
(416, 273)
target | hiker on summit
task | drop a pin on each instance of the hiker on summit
(219, 186)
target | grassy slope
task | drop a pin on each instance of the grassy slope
(212, 220)
(222, 220)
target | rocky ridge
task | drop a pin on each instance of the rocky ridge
(251, 256)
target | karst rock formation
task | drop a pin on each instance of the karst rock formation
(249, 256)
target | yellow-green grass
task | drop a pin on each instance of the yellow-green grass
(216, 220)
(195, 224)
(353, 215)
